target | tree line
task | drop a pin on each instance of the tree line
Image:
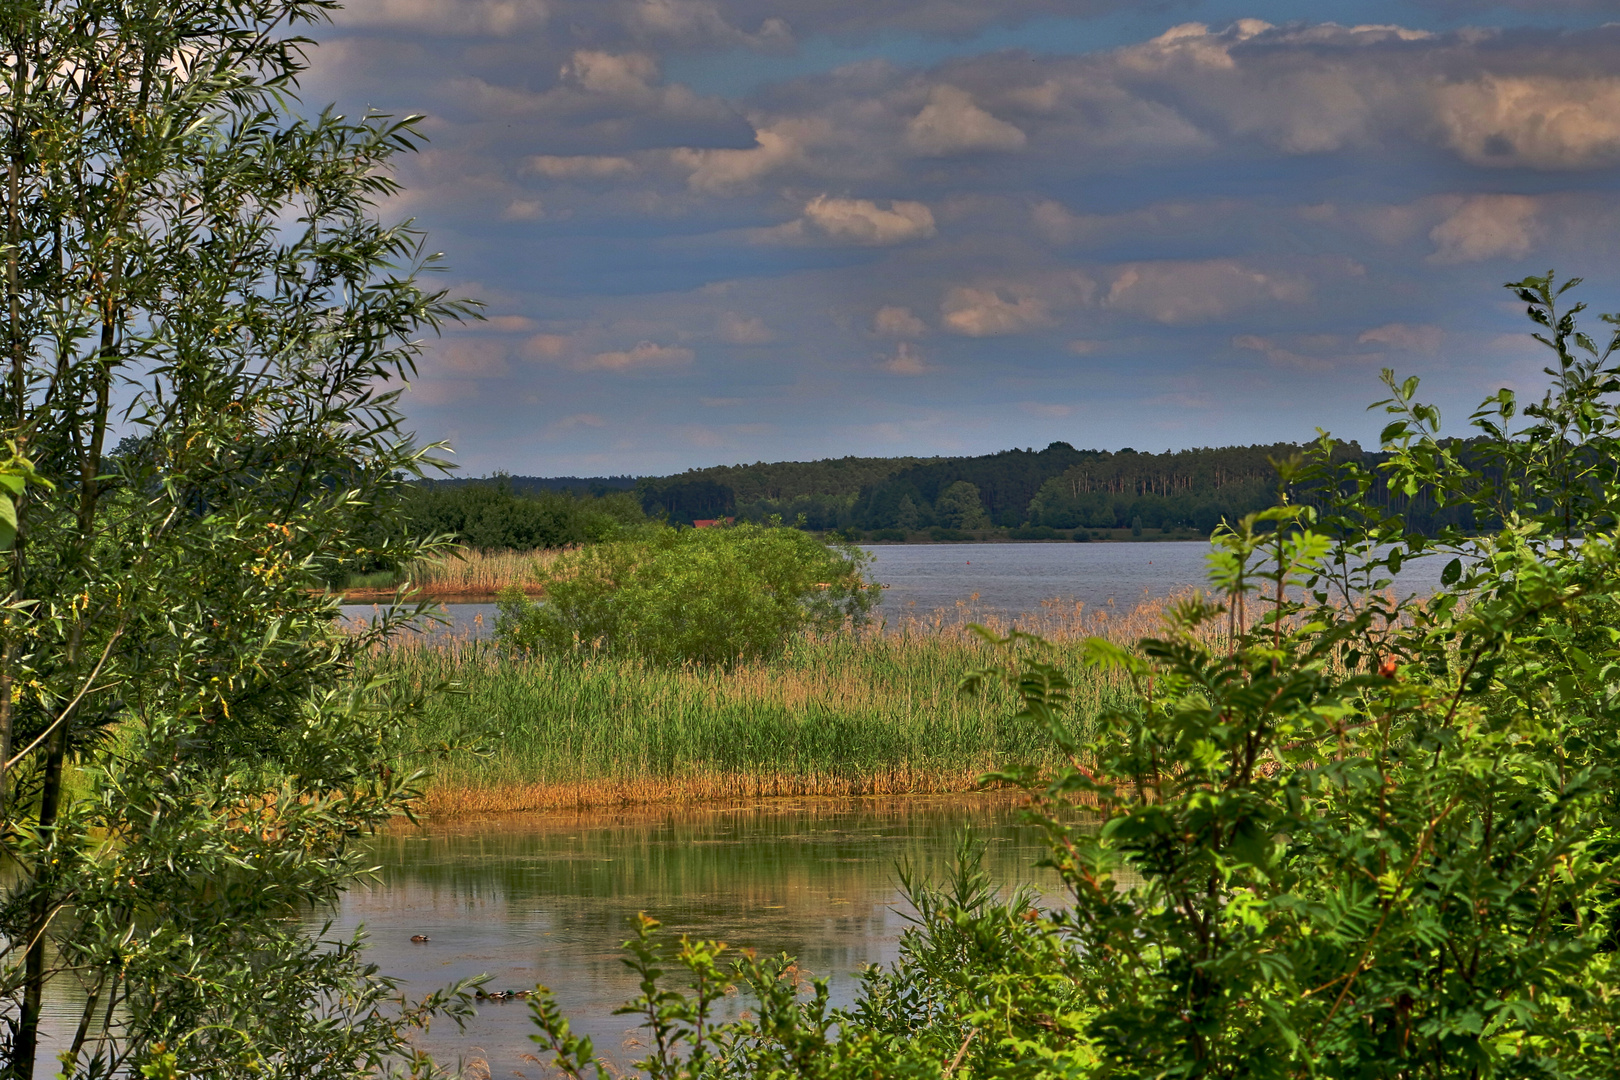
(1034, 492)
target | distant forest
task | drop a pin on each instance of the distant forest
(1029, 493)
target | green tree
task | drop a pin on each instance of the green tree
(959, 507)
(183, 761)
(707, 596)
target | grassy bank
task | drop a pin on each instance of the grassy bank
(849, 713)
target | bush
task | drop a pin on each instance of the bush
(894, 535)
(943, 534)
(705, 596)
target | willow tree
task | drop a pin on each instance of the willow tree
(205, 331)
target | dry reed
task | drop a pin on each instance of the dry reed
(463, 574)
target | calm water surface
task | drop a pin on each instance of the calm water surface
(1009, 580)
(548, 899)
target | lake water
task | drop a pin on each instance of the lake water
(548, 899)
(1009, 580)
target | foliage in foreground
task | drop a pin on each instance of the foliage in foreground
(1360, 838)
(184, 762)
(703, 596)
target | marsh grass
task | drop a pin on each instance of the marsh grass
(458, 574)
(874, 711)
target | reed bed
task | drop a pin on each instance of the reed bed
(458, 574)
(873, 711)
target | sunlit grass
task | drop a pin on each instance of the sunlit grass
(460, 572)
(871, 712)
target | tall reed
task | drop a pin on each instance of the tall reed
(458, 573)
(868, 712)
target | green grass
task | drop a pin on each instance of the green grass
(838, 714)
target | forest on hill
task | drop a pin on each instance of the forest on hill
(1029, 494)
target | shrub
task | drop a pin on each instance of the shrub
(706, 596)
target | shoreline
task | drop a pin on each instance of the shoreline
(447, 801)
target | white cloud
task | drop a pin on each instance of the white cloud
(644, 354)
(623, 75)
(546, 346)
(986, 312)
(509, 323)
(1403, 336)
(1199, 290)
(952, 123)
(700, 23)
(1540, 121)
(472, 18)
(1083, 346)
(1486, 227)
(471, 358)
(862, 221)
(1047, 410)
(735, 329)
(1279, 356)
(897, 322)
(579, 166)
(905, 361)
(724, 171)
(523, 210)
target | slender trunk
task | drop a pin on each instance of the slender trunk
(42, 907)
(18, 378)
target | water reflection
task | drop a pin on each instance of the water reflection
(548, 898)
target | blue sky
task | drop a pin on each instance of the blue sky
(712, 231)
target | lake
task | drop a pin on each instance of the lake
(1009, 580)
(548, 899)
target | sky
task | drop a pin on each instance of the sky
(717, 231)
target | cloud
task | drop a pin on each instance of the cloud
(508, 323)
(456, 18)
(1486, 227)
(952, 123)
(546, 346)
(1279, 356)
(644, 354)
(1200, 290)
(577, 420)
(905, 361)
(1046, 410)
(897, 322)
(580, 166)
(724, 171)
(471, 358)
(862, 221)
(1403, 336)
(987, 312)
(735, 329)
(700, 23)
(523, 210)
(1083, 346)
(1534, 121)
